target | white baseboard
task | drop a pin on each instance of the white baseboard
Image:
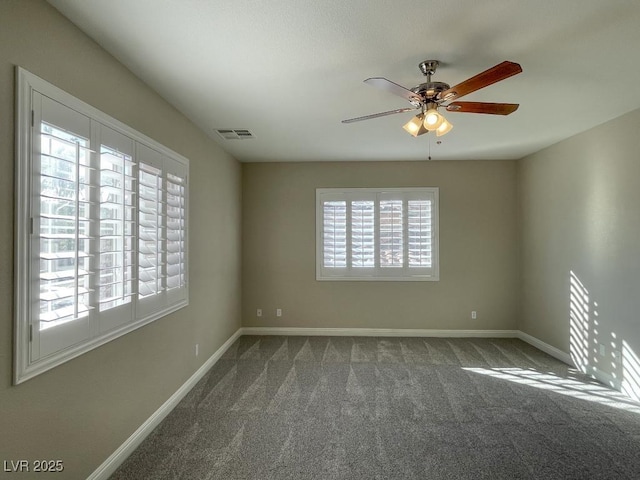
(545, 347)
(604, 378)
(378, 332)
(408, 332)
(120, 455)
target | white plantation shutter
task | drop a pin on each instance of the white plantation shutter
(391, 233)
(151, 246)
(420, 233)
(101, 231)
(162, 241)
(384, 234)
(176, 230)
(150, 232)
(363, 233)
(61, 218)
(117, 200)
(334, 249)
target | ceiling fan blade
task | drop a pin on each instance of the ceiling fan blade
(382, 114)
(494, 74)
(483, 107)
(392, 87)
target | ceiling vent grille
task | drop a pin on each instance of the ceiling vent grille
(235, 134)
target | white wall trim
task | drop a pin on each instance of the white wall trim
(545, 347)
(605, 378)
(122, 453)
(104, 471)
(379, 332)
(409, 332)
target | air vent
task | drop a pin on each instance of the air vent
(234, 134)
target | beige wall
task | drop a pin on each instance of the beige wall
(478, 250)
(579, 212)
(80, 412)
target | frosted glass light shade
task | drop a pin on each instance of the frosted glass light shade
(415, 126)
(444, 128)
(432, 119)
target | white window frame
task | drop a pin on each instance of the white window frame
(102, 328)
(377, 273)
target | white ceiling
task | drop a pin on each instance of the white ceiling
(291, 70)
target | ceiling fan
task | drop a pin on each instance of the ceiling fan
(429, 96)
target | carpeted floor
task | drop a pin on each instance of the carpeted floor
(392, 408)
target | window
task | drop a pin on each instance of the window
(101, 228)
(377, 234)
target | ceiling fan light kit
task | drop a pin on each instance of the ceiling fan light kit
(432, 119)
(444, 128)
(415, 126)
(429, 96)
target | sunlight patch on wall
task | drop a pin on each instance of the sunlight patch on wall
(630, 371)
(578, 322)
(594, 350)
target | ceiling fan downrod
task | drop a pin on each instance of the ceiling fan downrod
(429, 90)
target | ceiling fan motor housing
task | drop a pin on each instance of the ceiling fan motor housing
(429, 91)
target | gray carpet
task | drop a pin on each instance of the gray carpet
(392, 408)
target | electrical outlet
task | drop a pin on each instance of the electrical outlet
(474, 314)
(278, 312)
(259, 312)
(197, 349)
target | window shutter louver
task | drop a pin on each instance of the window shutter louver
(162, 231)
(150, 211)
(117, 204)
(176, 232)
(64, 226)
(115, 228)
(419, 246)
(391, 232)
(335, 234)
(362, 233)
(61, 239)
(384, 234)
